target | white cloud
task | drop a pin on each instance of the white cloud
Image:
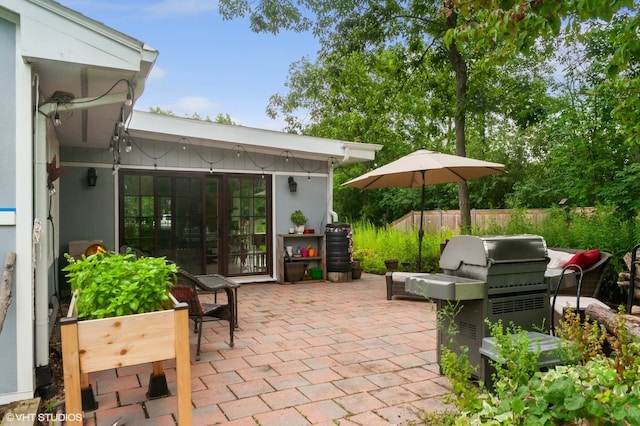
(188, 105)
(171, 8)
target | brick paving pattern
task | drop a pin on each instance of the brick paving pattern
(316, 353)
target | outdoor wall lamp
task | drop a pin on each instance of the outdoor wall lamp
(92, 177)
(293, 185)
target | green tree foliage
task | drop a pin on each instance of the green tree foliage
(427, 74)
(220, 118)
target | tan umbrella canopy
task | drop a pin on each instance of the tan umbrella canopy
(422, 168)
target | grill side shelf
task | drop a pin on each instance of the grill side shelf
(446, 287)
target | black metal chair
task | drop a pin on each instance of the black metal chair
(187, 289)
(560, 302)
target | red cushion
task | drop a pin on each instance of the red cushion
(584, 259)
(186, 294)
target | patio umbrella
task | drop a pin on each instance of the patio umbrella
(421, 168)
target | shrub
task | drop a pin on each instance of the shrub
(110, 285)
(600, 391)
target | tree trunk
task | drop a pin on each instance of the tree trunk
(5, 289)
(607, 317)
(459, 66)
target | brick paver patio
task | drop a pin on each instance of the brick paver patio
(316, 353)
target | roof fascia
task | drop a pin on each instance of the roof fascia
(53, 32)
(173, 129)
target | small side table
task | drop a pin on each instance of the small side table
(215, 283)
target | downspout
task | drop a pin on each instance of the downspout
(40, 244)
(41, 237)
(347, 153)
(345, 158)
(333, 215)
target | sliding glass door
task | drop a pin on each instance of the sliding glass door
(206, 223)
(246, 225)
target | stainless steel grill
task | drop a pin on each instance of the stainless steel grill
(495, 278)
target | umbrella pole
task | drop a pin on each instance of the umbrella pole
(421, 231)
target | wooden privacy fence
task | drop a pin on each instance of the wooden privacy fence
(436, 220)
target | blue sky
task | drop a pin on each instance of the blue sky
(205, 65)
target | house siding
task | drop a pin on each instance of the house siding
(96, 207)
(8, 119)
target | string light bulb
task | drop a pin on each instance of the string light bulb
(129, 101)
(121, 122)
(116, 133)
(56, 119)
(128, 147)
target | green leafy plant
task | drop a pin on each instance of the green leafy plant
(298, 218)
(456, 366)
(600, 390)
(582, 340)
(517, 363)
(627, 351)
(110, 285)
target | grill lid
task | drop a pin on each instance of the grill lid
(487, 250)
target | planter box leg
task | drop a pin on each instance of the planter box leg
(71, 368)
(183, 366)
(89, 402)
(158, 382)
(86, 393)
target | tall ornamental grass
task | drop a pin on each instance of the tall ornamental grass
(601, 229)
(372, 246)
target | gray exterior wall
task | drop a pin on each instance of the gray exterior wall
(311, 198)
(88, 213)
(8, 342)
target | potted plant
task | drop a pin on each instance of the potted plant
(121, 314)
(299, 219)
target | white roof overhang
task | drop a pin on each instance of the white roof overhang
(150, 126)
(80, 56)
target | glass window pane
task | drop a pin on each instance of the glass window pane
(147, 206)
(131, 184)
(131, 207)
(146, 185)
(182, 186)
(164, 186)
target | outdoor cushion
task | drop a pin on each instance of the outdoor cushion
(558, 259)
(584, 259)
(187, 294)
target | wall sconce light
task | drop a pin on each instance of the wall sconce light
(92, 177)
(293, 185)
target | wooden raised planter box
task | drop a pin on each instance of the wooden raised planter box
(101, 344)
